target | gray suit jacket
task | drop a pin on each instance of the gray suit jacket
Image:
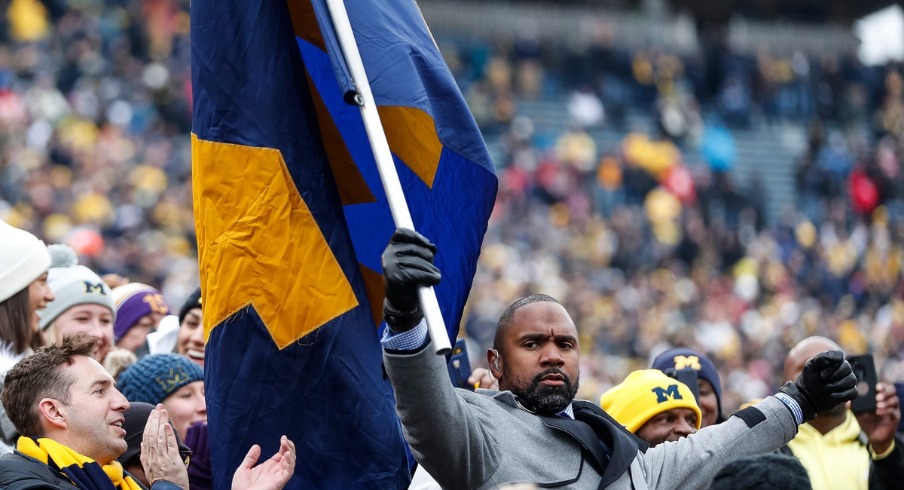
(469, 440)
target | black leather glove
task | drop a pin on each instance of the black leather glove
(826, 381)
(407, 266)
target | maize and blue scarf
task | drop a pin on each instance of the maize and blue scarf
(84, 472)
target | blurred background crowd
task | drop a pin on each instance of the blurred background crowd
(625, 187)
(95, 115)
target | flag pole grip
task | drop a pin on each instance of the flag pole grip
(383, 156)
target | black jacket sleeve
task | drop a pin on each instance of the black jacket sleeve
(888, 472)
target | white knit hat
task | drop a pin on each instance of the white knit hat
(166, 336)
(23, 258)
(72, 284)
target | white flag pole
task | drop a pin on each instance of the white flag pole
(391, 185)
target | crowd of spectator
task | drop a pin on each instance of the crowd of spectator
(95, 116)
(645, 253)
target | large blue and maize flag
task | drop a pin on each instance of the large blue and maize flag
(291, 220)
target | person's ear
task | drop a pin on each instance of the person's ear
(51, 413)
(493, 358)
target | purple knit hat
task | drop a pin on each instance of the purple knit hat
(133, 301)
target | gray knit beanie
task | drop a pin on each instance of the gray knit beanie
(72, 284)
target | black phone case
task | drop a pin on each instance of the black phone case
(687, 376)
(865, 371)
(460, 366)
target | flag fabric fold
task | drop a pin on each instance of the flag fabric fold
(291, 220)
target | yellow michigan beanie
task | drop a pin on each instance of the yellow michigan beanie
(645, 394)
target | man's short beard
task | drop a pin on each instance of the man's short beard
(547, 400)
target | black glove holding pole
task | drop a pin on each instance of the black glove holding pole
(407, 266)
(826, 381)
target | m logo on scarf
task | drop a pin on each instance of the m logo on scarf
(84, 472)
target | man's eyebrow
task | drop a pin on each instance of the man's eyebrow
(101, 382)
(543, 336)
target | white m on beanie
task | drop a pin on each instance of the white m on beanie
(23, 258)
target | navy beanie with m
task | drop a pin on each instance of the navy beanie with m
(154, 378)
(681, 358)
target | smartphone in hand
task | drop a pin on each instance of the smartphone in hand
(460, 366)
(865, 371)
(687, 376)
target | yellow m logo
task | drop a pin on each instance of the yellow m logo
(684, 362)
